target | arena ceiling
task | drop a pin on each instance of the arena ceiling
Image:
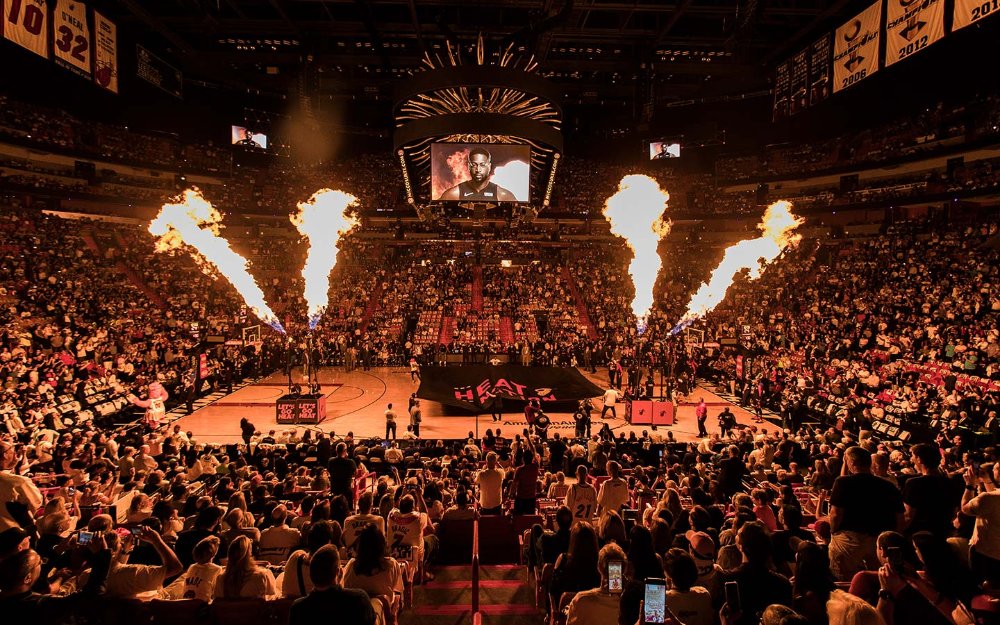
(631, 52)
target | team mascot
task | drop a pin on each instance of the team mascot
(155, 404)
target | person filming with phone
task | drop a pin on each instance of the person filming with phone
(599, 606)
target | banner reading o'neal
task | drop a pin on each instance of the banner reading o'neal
(969, 12)
(855, 48)
(911, 26)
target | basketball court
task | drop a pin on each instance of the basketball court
(356, 402)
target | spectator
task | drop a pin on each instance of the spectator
(243, 578)
(759, 586)
(328, 596)
(932, 498)
(597, 606)
(862, 506)
(691, 604)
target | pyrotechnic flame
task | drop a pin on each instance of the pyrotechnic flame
(324, 221)
(777, 228)
(196, 223)
(635, 213)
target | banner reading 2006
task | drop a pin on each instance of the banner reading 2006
(855, 48)
(911, 26)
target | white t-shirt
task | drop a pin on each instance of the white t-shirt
(610, 397)
(693, 607)
(581, 499)
(593, 607)
(199, 581)
(490, 484)
(986, 535)
(17, 488)
(614, 494)
(385, 582)
(277, 543)
(260, 584)
(353, 526)
(406, 529)
(390, 416)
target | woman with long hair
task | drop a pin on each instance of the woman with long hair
(576, 569)
(242, 578)
(642, 562)
(372, 570)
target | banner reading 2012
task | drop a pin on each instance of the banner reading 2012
(71, 36)
(911, 26)
(855, 48)
(968, 12)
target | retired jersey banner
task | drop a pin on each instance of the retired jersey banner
(855, 48)
(781, 80)
(971, 11)
(799, 83)
(26, 23)
(819, 70)
(105, 53)
(71, 36)
(911, 26)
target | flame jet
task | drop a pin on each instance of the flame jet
(777, 233)
(635, 213)
(324, 220)
(194, 222)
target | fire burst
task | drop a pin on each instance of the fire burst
(196, 223)
(324, 214)
(636, 214)
(777, 228)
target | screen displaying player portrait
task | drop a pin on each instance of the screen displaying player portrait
(248, 138)
(662, 149)
(466, 172)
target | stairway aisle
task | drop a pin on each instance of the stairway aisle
(581, 305)
(504, 597)
(477, 288)
(447, 330)
(506, 330)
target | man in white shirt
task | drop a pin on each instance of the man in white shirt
(598, 606)
(390, 422)
(581, 498)
(984, 506)
(614, 492)
(357, 522)
(490, 483)
(394, 455)
(278, 541)
(407, 526)
(610, 398)
(15, 488)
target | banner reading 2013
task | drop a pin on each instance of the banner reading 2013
(968, 12)
(855, 48)
(911, 26)
(71, 36)
(26, 23)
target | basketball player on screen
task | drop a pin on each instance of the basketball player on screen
(480, 164)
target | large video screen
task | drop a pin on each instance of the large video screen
(469, 172)
(663, 149)
(248, 138)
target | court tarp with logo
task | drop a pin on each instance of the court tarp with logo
(474, 387)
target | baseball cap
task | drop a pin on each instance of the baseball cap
(702, 549)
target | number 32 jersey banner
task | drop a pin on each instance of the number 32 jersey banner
(911, 26)
(25, 22)
(855, 48)
(71, 36)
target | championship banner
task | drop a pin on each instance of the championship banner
(26, 23)
(781, 76)
(819, 70)
(855, 48)
(475, 387)
(969, 12)
(72, 36)
(911, 26)
(799, 83)
(105, 53)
